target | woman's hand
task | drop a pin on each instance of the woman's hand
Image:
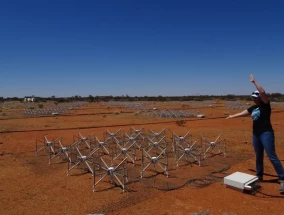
(229, 117)
(251, 78)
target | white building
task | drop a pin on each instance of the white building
(29, 99)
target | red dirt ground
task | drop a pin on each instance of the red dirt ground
(29, 185)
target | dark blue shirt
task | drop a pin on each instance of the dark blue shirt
(261, 117)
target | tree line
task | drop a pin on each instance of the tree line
(274, 97)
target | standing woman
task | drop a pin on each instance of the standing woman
(263, 134)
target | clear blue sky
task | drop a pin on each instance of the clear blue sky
(140, 47)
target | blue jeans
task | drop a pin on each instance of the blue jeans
(265, 141)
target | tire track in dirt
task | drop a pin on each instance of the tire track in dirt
(107, 126)
(111, 126)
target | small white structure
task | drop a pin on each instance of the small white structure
(241, 181)
(200, 116)
(29, 99)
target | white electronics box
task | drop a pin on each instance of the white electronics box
(241, 181)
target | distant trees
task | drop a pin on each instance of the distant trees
(13, 99)
(91, 98)
(274, 97)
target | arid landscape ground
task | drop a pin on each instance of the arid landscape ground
(30, 185)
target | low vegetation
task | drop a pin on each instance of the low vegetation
(274, 97)
(180, 122)
(207, 212)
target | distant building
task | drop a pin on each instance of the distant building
(29, 99)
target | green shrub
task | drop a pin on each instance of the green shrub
(180, 122)
(207, 212)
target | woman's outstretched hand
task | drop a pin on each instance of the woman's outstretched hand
(251, 78)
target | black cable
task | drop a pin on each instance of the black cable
(267, 195)
(196, 183)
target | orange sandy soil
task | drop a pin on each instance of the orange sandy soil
(29, 185)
